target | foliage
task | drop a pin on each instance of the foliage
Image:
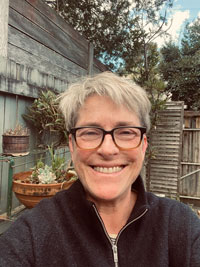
(155, 88)
(104, 23)
(45, 117)
(55, 173)
(180, 67)
(191, 40)
(151, 19)
(119, 30)
(19, 130)
(151, 80)
(57, 163)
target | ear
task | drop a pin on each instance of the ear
(71, 145)
(145, 143)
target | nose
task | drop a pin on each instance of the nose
(108, 146)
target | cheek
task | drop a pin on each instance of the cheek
(137, 155)
(81, 164)
(79, 157)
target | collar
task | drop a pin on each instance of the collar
(141, 203)
(77, 194)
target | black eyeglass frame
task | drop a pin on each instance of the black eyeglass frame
(111, 132)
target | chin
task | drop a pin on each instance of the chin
(104, 194)
(102, 198)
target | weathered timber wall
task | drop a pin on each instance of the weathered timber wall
(24, 80)
(50, 50)
(4, 8)
(190, 161)
(163, 170)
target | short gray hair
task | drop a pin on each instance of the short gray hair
(121, 90)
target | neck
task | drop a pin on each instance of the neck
(115, 214)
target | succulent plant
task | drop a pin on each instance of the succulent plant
(55, 173)
(46, 175)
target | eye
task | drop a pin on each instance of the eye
(88, 133)
(126, 133)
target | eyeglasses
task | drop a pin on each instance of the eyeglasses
(91, 137)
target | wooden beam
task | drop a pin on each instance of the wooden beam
(90, 58)
(4, 7)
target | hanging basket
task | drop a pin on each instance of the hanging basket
(15, 145)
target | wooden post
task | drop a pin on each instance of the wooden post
(4, 11)
(90, 58)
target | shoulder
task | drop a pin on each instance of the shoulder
(166, 204)
(175, 212)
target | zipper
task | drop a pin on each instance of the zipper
(115, 254)
(137, 218)
(114, 245)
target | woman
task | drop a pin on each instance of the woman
(106, 218)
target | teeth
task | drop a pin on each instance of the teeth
(108, 170)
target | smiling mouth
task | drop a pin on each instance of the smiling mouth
(108, 169)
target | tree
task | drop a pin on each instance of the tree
(153, 83)
(191, 40)
(151, 19)
(180, 67)
(104, 23)
(119, 30)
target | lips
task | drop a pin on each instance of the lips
(108, 169)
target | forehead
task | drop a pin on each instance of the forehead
(103, 111)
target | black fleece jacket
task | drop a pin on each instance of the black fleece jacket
(67, 230)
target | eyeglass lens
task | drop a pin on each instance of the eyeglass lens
(125, 137)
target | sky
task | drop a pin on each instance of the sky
(182, 11)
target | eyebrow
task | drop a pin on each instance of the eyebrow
(120, 123)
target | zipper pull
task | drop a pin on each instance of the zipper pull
(115, 255)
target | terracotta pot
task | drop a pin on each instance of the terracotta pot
(31, 194)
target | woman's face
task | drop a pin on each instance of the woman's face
(107, 172)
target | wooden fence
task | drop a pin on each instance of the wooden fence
(163, 170)
(190, 161)
(174, 169)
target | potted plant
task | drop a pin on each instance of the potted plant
(15, 141)
(47, 120)
(43, 181)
